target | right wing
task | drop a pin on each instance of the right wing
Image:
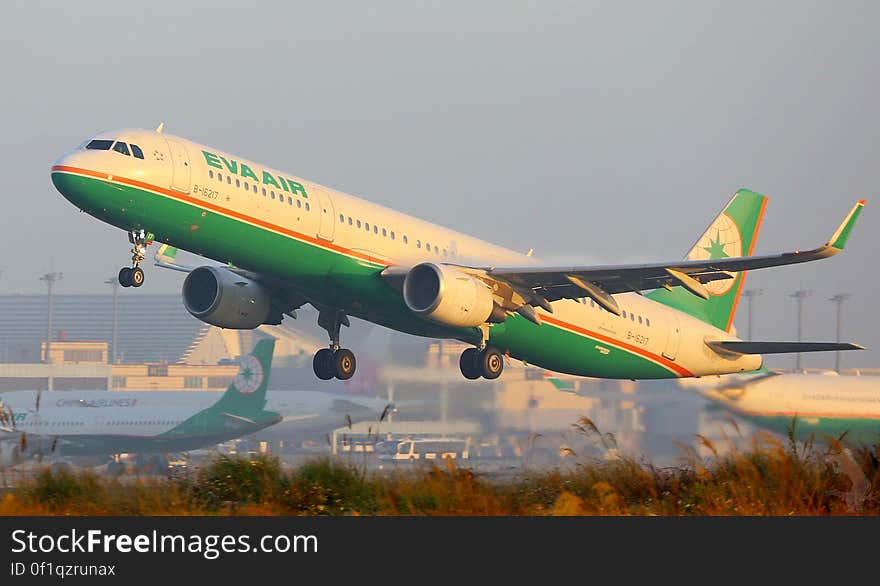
(537, 286)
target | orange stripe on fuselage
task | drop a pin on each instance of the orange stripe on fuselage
(634, 349)
(742, 281)
(299, 236)
(221, 210)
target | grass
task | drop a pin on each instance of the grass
(769, 477)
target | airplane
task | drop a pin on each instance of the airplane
(284, 242)
(97, 425)
(822, 406)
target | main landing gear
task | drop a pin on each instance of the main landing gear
(488, 363)
(334, 361)
(134, 276)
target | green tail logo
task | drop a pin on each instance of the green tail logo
(247, 392)
(732, 233)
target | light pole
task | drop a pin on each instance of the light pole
(839, 299)
(750, 294)
(50, 279)
(800, 295)
(114, 282)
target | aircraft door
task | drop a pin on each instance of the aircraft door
(180, 174)
(673, 337)
(327, 215)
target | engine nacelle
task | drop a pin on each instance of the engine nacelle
(222, 298)
(447, 296)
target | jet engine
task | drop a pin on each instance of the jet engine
(448, 296)
(222, 298)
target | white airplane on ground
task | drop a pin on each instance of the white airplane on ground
(100, 424)
(821, 406)
(286, 242)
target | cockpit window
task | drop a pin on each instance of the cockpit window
(136, 151)
(121, 147)
(100, 145)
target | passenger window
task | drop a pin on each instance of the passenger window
(647, 322)
(428, 246)
(418, 243)
(375, 229)
(640, 320)
(358, 223)
(246, 186)
(220, 177)
(121, 147)
(436, 250)
(255, 187)
(273, 194)
(210, 174)
(392, 234)
(341, 219)
(100, 145)
(623, 314)
(384, 233)
(632, 317)
(237, 183)
(307, 205)
(405, 239)
(264, 192)
(299, 204)
(367, 226)
(289, 201)
(229, 180)
(136, 151)
(349, 220)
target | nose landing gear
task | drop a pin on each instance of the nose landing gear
(133, 276)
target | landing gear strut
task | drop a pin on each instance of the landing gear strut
(333, 361)
(487, 363)
(133, 276)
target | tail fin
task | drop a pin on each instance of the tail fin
(732, 233)
(247, 393)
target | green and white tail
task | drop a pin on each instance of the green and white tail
(732, 233)
(247, 393)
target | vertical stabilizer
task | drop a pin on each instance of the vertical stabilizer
(732, 233)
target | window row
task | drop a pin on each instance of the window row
(256, 189)
(623, 314)
(355, 223)
(118, 146)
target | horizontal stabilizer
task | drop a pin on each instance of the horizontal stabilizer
(740, 347)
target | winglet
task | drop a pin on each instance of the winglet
(839, 238)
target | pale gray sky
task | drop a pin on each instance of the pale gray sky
(594, 132)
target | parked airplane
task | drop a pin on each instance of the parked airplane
(821, 405)
(287, 242)
(102, 424)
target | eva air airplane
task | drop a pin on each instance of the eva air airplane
(285, 242)
(97, 423)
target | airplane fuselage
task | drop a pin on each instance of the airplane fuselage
(331, 248)
(102, 422)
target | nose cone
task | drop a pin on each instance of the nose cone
(71, 174)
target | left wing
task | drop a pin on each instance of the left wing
(538, 286)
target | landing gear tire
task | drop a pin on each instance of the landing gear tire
(137, 276)
(344, 364)
(125, 276)
(323, 364)
(469, 365)
(491, 363)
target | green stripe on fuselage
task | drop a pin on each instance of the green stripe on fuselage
(336, 279)
(316, 272)
(857, 430)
